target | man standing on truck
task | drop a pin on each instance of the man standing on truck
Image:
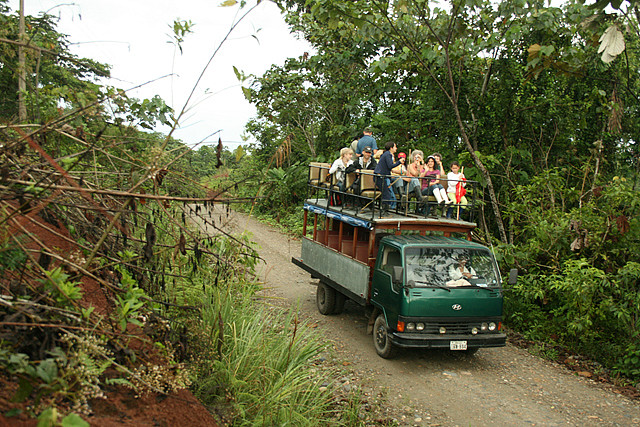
(367, 141)
(383, 170)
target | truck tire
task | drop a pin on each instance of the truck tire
(340, 300)
(382, 343)
(325, 299)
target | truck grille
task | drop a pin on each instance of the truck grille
(462, 328)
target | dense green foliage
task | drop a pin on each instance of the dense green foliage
(588, 298)
(53, 74)
(522, 94)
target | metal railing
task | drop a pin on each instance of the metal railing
(363, 194)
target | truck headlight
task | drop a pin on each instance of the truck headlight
(410, 327)
(443, 330)
(492, 326)
(484, 327)
(474, 331)
(420, 326)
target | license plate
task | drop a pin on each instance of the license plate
(457, 345)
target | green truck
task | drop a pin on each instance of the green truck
(425, 288)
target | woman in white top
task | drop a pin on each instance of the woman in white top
(339, 166)
(453, 178)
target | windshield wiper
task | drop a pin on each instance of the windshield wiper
(478, 281)
(429, 284)
(486, 288)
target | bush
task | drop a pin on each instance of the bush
(579, 275)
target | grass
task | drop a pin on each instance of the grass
(253, 363)
(263, 368)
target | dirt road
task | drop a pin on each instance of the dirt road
(504, 386)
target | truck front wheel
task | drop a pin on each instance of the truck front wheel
(325, 299)
(382, 343)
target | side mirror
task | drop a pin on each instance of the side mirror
(397, 274)
(513, 276)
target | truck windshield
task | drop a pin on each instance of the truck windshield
(450, 267)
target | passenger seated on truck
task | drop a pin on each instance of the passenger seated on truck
(366, 162)
(415, 169)
(456, 190)
(339, 167)
(383, 171)
(432, 186)
(400, 178)
(439, 165)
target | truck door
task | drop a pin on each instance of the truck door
(385, 292)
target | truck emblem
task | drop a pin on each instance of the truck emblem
(456, 307)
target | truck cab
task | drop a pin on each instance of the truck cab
(423, 299)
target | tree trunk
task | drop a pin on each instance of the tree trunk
(22, 69)
(453, 98)
(485, 174)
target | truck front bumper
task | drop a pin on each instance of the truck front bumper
(418, 340)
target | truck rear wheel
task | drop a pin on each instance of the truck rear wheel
(382, 343)
(325, 299)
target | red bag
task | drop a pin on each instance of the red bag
(460, 190)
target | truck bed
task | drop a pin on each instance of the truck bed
(343, 273)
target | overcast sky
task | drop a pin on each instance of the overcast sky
(133, 37)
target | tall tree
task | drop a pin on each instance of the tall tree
(467, 78)
(53, 74)
(320, 99)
